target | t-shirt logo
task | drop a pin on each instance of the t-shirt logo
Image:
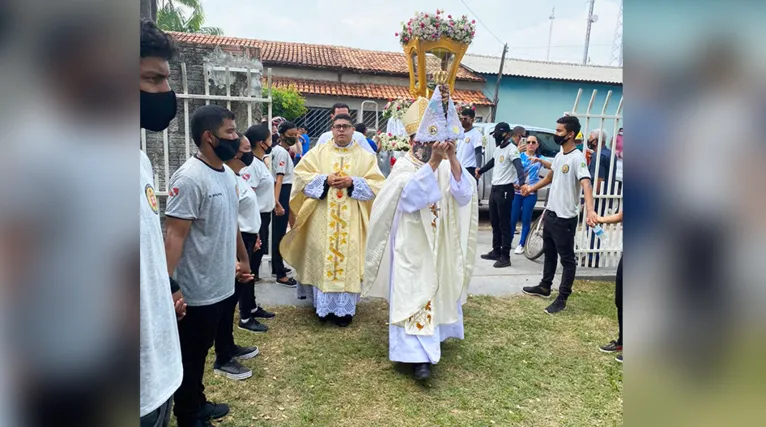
(565, 168)
(502, 158)
(583, 164)
(173, 191)
(246, 176)
(151, 198)
(282, 163)
(467, 140)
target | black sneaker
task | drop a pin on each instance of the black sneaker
(244, 353)
(344, 320)
(536, 291)
(289, 283)
(214, 411)
(492, 255)
(422, 371)
(611, 347)
(253, 325)
(503, 262)
(619, 358)
(260, 312)
(233, 370)
(557, 306)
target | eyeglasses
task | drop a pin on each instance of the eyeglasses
(342, 127)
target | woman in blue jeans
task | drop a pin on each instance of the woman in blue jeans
(524, 206)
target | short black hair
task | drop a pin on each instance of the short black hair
(518, 130)
(155, 42)
(468, 112)
(258, 133)
(571, 124)
(338, 106)
(285, 126)
(343, 117)
(208, 117)
(361, 128)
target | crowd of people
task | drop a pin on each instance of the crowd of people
(345, 229)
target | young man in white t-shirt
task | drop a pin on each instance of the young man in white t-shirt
(469, 149)
(283, 169)
(161, 371)
(569, 172)
(508, 170)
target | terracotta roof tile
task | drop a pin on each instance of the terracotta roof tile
(369, 91)
(320, 56)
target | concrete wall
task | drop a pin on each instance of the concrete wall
(539, 102)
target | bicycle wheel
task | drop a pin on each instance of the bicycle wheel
(533, 248)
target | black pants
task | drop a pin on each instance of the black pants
(160, 417)
(280, 229)
(500, 203)
(558, 241)
(618, 298)
(246, 292)
(196, 333)
(224, 334)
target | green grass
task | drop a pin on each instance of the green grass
(517, 366)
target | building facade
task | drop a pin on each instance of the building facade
(536, 93)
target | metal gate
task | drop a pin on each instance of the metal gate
(171, 144)
(590, 250)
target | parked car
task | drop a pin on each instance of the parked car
(548, 150)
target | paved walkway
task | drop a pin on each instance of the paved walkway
(486, 279)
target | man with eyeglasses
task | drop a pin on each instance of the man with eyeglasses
(341, 108)
(333, 188)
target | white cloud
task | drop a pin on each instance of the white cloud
(371, 24)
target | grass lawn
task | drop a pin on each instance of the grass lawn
(517, 366)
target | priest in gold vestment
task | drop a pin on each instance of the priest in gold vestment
(422, 241)
(333, 189)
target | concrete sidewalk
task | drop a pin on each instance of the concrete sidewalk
(486, 279)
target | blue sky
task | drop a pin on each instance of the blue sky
(371, 24)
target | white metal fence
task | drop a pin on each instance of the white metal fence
(590, 250)
(317, 119)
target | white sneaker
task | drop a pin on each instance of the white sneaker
(519, 250)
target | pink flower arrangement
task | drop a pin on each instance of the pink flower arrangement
(433, 27)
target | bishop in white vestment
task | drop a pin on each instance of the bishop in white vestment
(422, 239)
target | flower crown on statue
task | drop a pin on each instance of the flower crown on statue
(395, 108)
(432, 27)
(391, 142)
(464, 106)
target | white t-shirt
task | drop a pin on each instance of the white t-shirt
(504, 172)
(248, 215)
(358, 138)
(466, 153)
(568, 170)
(161, 368)
(281, 163)
(258, 177)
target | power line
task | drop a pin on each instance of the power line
(482, 23)
(546, 47)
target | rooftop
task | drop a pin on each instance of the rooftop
(320, 56)
(543, 69)
(369, 91)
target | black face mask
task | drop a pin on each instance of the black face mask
(247, 158)
(499, 139)
(267, 151)
(157, 110)
(226, 149)
(559, 140)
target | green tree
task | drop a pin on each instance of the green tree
(172, 16)
(286, 102)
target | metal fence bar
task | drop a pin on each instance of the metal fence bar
(186, 109)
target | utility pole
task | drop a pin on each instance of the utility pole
(550, 34)
(497, 86)
(591, 20)
(149, 9)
